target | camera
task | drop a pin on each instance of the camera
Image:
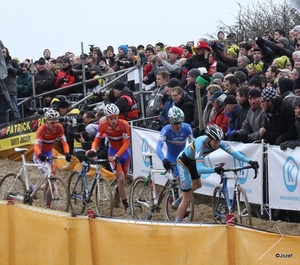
(126, 64)
(74, 120)
(91, 47)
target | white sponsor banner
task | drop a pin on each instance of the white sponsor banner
(284, 189)
(146, 140)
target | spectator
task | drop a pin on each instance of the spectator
(10, 82)
(285, 89)
(280, 118)
(105, 70)
(213, 92)
(65, 77)
(231, 84)
(231, 107)
(183, 101)
(191, 77)
(253, 121)
(24, 87)
(242, 98)
(44, 79)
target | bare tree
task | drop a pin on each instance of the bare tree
(253, 20)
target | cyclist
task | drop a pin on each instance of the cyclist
(190, 163)
(175, 136)
(118, 134)
(46, 136)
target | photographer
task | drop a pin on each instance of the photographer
(68, 119)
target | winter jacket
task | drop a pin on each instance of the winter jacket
(155, 104)
(220, 119)
(164, 118)
(44, 81)
(69, 80)
(13, 69)
(122, 103)
(195, 61)
(280, 124)
(232, 121)
(187, 105)
(242, 113)
(24, 86)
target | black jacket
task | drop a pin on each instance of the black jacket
(280, 124)
(187, 105)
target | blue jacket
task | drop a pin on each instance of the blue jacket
(164, 118)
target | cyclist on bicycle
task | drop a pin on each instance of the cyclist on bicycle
(190, 163)
(118, 133)
(175, 136)
(46, 136)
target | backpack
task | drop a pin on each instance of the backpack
(133, 112)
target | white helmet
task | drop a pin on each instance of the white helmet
(214, 132)
(111, 109)
(175, 115)
(51, 114)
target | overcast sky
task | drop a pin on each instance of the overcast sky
(27, 28)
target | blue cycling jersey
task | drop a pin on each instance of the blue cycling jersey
(198, 149)
(175, 142)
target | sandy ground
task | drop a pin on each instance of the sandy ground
(203, 209)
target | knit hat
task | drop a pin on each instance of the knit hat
(233, 50)
(41, 61)
(255, 82)
(92, 129)
(188, 48)
(204, 80)
(297, 28)
(150, 49)
(124, 47)
(269, 93)
(254, 93)
(230, 99)
(176, 50)
(63, 105)
(119, 86)
(194, 72)
(173, 82)
(282, 61)
(217, 75)
(257, 67)
(283, 40)
(111, 48)
(66, 59)
(244, 70)
(216, 95)
(296, 101)
(95, 68)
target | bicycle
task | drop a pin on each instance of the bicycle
(80, 194)
(18, 187)
(238, 205)
(143, 198)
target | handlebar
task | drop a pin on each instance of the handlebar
(236, 169)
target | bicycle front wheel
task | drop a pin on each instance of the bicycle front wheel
(172, 195)
(140, 199)
(243, 209)
(103, 197)
(11, 186)
(56, 196)
(219, 205)
(76, 193)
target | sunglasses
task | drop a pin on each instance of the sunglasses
(176, 123)
(53, 122)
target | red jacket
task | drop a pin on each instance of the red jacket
(69, 78)
(220, 119)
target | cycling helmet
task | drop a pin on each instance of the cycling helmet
(214, 132)
(111, 109)
(175, 114)
(51, 114)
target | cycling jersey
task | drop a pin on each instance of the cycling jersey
(175, 142)
(190, 163)
(119, 142)
(45, 140)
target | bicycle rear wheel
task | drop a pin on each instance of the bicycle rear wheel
(76, 193)
(172, 195)
(140, 199)
(103, 197)
(59, 198)
(243, 209)
(219, 205)
(12, 186)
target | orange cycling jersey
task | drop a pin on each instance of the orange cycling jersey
(118, 137)
(45, 139)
